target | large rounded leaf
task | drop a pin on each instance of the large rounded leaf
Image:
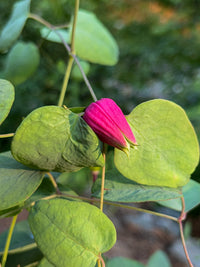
(55, 139)
(168, 149)
(22, 61)
(93, 42)
(71, 233)
(17, 182)
(14, 26)
(7, 95)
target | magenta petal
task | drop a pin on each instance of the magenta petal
(103, 126)
(115, 113)
(109, 123)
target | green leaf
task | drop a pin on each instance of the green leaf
(22, 61)
(120, 261)
(168, 149)
(53, 37)
(159, 258)
(120, 189)
(7, 95)
(45, 263)
(93, 42)
(17, 182)
(23, 249)
(191, 194)
(55, 139)
(11, 211)
(71, 233)
(14, 26)
(76, 73)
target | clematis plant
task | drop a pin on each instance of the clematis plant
(109, 123)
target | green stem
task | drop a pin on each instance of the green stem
(74, 27)
(103, 178)
(5, 254)
(6, 135)
(115, 205)
(181, 218)
(65, 81)
(71, 59)
(67, 47)
(53, 183)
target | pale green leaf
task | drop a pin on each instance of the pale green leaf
(93, 42)
(168, 149)
(55, 139)
(120, 189)
(22, 61)
(7, 95)
(71, 233)
(17, 182)
(14, 26)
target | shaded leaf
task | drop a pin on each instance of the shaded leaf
(120, 261)
(93, 42)
(159, 258)
(120, 189)
(71, 233)
(55, 139)
(23, 249)
(22, 61)
(191, 194)
(7, 95)
(14, 26)
(11, 211)
(168, 150)
(17, 182)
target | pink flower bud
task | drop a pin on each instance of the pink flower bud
(109, 123)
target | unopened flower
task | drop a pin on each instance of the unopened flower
(109, 123)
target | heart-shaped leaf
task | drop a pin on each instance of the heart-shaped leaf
(168, 149)
(14, 26)
(71, 233)
(120, 189)
(7, 95)
(17, 182)
(55, 139)
(93, 42)
(22, 61)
